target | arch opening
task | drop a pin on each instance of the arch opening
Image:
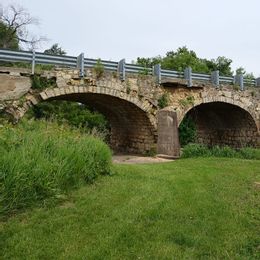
(219, 123)
(130, 128)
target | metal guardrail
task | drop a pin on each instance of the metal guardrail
(122, 68)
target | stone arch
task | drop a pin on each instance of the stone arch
(223, 123)
(133, 126)
(211, 99)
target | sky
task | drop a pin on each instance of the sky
(116, 29)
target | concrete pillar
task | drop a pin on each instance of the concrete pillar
(168, 137)
(188, 76)
(257, 81)
(215, 78)
(157, 73)
(33, 62)
(239, 79)
(121, 69)
(80, 64)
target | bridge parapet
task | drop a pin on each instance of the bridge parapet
(122, 68)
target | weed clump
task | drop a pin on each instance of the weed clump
(40, 162)
(40, 83)
(163, 101)
(99, 69)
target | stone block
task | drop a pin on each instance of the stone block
(50, 93)
(62, 91)
(81, 89)
(71, 89)
(43, 96)
(76, 89)
(61, 83)
(56, 91)
(33, 100)
(67, 90)
(12, 87)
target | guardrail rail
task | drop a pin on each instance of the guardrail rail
(122, 68)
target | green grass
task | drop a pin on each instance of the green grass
(41, 162)
(203, 208)
(199, 150)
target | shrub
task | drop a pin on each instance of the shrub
(194, 150)
(40, 162)
(250, 153)
(224, 151)
(99, 68)
(187, 131)
(188, 101)
(4, 117)
(40, 83)
(72, 113)
(200, 150)
(163, 101)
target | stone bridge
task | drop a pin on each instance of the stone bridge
(133, 107)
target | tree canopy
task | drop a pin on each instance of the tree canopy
(183, 58)
(7, 40)
(55, 50)
(14, 22)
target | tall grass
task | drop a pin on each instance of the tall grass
(199, 150)
(40, 162)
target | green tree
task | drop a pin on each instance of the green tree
(242, 71)
(55, 50)
(183, 58)
(7, 40)
(14, 22)
(149, 62)
(222, 64)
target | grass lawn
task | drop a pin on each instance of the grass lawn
(204, 208)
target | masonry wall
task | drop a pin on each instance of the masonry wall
(224, 124)
(131, 130)
(131, 106)
(229, 137)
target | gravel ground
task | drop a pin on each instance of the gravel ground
(135, 159)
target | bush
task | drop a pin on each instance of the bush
(250, 153)
(187, 131)
(4, 118)
(99, 68)
(200, 150)
(195, 150)
(224, 151)
(41, 83)
(163, 101)
(72, 113)
(40, 162)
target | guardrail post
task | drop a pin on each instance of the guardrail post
(157, 73)
(121, 69)
(257, 82)
(215, 78)
(239, 79)
(33, 62)
(80, 64)
(188, 76)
